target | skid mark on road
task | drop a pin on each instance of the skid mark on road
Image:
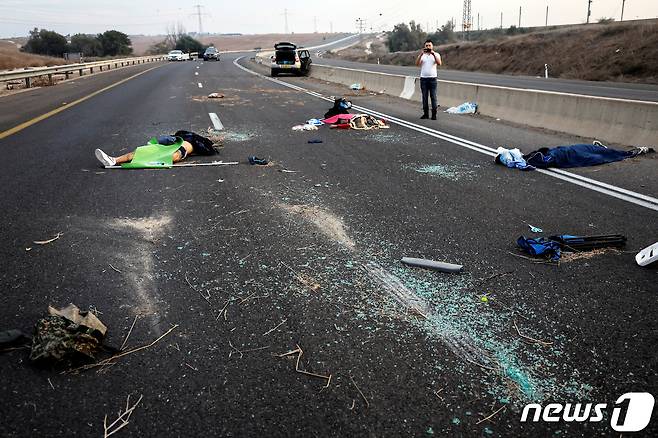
(326, 222)
(137, 257)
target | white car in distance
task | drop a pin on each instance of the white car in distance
(177, 55)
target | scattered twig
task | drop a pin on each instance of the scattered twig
(123, 345)
(277, 326)
(252, 297)
(111, 359)
(123, 418)
(360, 392)
(531, 340)
(207, 298)
(191, 367)
(224, 309)
(491, 277)
(490, 416)
(533, 260)
(436, 393)
(46, 242)
(241, 352)
(114, 268)
(353, 404)
(51, 384)
(299, 352)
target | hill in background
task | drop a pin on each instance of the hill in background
(625, 52)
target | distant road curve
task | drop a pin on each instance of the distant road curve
(645, 92)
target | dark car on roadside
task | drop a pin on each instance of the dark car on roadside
(288, 58)
(211, 54)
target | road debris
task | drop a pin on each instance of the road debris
(360, 392)
(67, 334)
(648, 255)
(431, 264)
(464, 108)
(215, 96)
(299, 352)
(46, 242)
(260, 161)
(122, 419)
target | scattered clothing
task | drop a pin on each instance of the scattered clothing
(535, 229)
(540, 246)
(306, 127)
(338, 118)
(215, 96)
(366, 121)
(356, 87)
(315, 141)
(580, 155)
(341, 106)
(464, 108)
(512, 158)
(200, 144)
(260, 161)
(554, 245)
(67, 334)
(316, 122)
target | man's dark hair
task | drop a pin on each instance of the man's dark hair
(429, 41)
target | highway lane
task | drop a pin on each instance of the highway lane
(307, 257)
(619, 90)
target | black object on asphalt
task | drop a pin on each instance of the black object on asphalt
(255, 160)
(315, 141)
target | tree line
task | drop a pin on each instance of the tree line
(405, 38)
(51, 43)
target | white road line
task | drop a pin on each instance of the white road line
(216, 123)
(196, 73)
(200, 85)
(592, 184)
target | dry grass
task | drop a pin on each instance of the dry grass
(11, 57)
(613, 52)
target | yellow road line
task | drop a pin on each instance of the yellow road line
(37, 119)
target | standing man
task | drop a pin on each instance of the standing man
(428, 60)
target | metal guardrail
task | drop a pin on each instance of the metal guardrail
(69, 69)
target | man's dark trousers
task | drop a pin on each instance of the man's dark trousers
(428, 88)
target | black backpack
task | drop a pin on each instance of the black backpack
(341, 106)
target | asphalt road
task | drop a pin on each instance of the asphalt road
(247, 263)
(619, 90)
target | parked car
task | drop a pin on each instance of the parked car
(194, 55)
(211, 53)
(289, 58)
(177, 55)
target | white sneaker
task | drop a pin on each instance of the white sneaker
(105, 159)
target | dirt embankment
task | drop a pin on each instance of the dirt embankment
(11, 57)
(600, 52)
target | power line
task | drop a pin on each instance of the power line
(467, 17)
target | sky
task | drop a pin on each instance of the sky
(151, 17)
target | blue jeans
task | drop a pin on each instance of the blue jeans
(428, 87)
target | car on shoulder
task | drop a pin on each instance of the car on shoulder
(176, 55)
(194, 55)
(211, 54)
(288, 58)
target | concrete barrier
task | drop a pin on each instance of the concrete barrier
(628, 122)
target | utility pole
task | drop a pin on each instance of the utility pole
(501, 20)
(519, 17)
(285, 16)
(478, 21)
(315, 24)
(623, 3)
(589, 10)
(199, 14)
(467, 18)
(546, 25)
(331, 27)
(361, 24)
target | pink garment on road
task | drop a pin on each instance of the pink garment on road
(337, 117)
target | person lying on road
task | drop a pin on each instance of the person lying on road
(162, 151)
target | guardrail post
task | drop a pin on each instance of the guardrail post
(80, 71)
(50, 79)
(67, 74)
(101, 67)
(91, 69)
(28, 82)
